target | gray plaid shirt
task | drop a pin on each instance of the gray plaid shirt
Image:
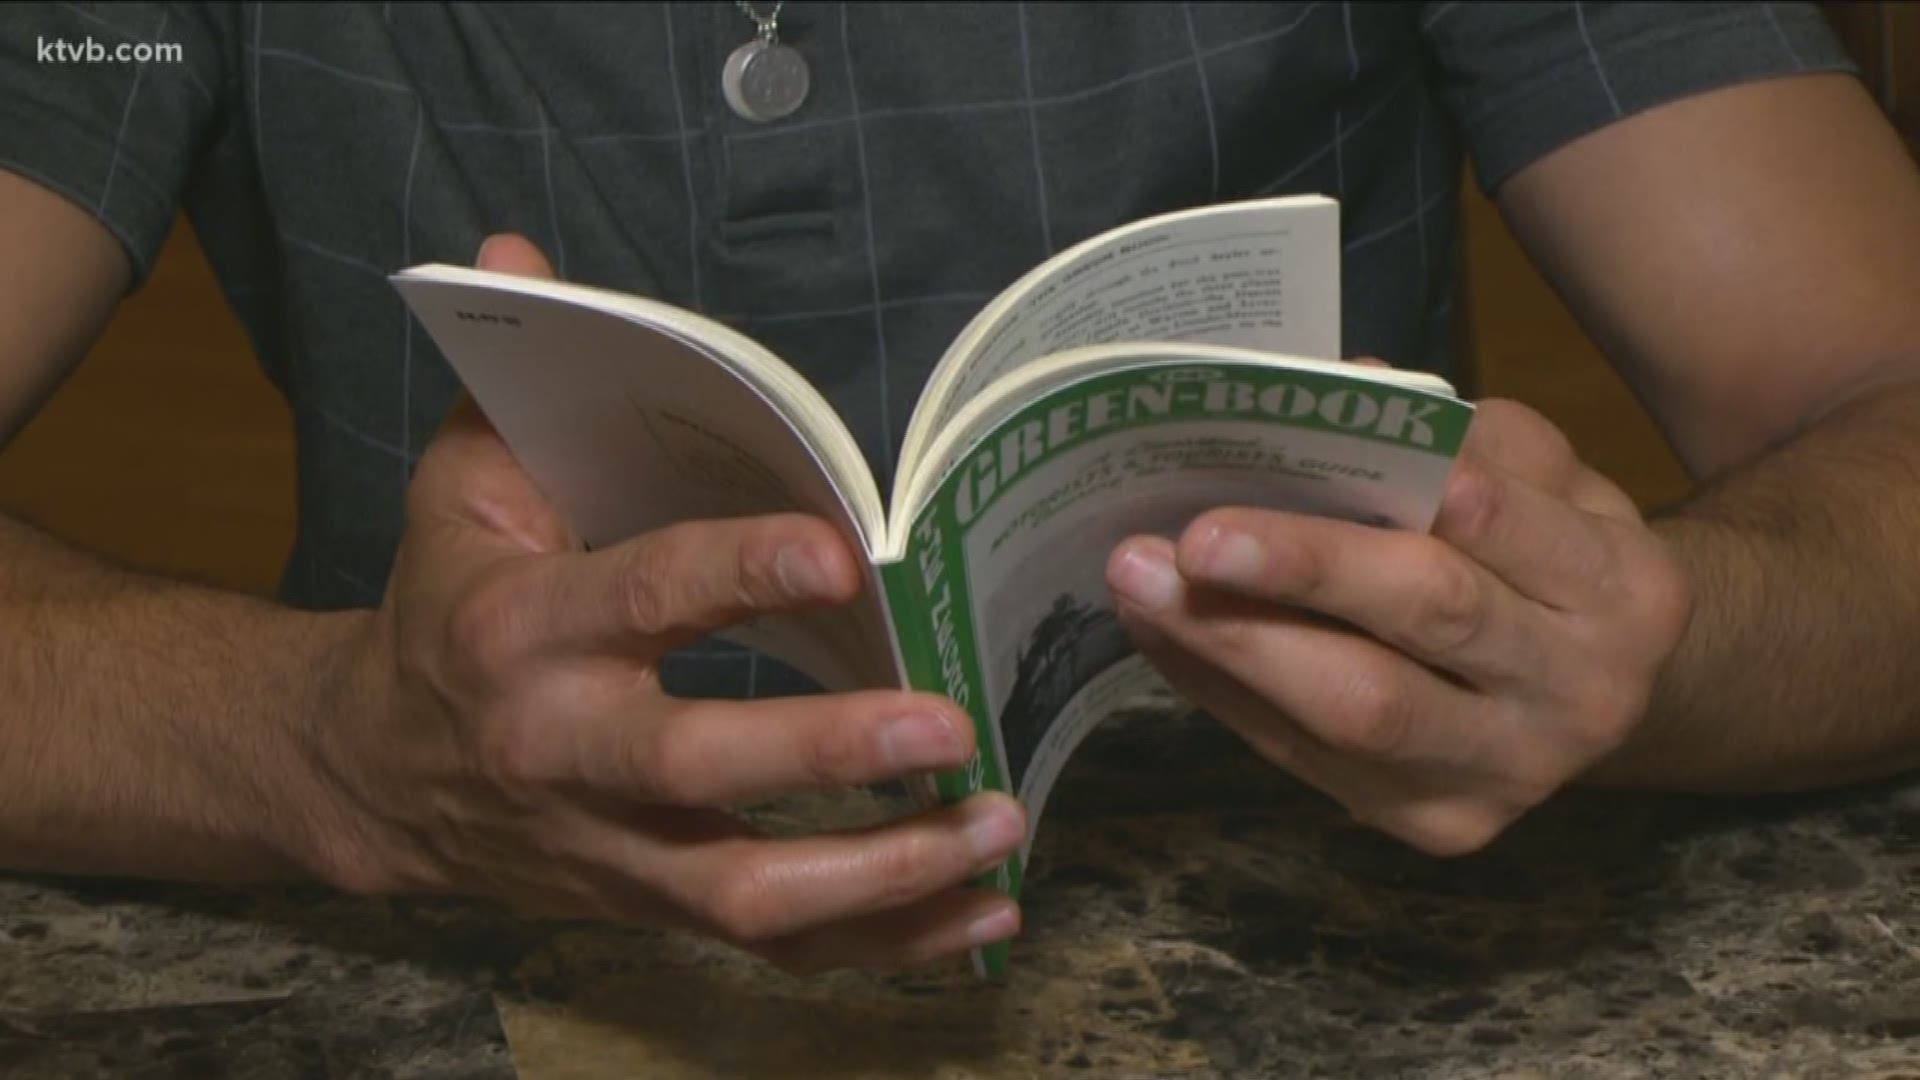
(945, 149)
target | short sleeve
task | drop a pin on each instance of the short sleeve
(108, 105)
(1523, 79)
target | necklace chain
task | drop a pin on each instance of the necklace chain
(768, 24)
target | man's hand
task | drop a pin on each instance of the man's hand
(512, 739)
(1440, 685)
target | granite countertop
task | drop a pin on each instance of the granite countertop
(1191, 914)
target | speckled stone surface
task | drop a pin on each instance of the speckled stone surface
(1191, 914)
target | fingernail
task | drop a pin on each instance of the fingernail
(1147, 577)
(994, 828)
(801, 574)
(920, 741)
(997, 925)
(1232, 557)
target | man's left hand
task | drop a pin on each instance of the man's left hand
(1439, 685)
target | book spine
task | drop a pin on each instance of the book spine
(932, 611)
(905, 610)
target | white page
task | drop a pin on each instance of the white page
(627, 428)
(1263, 275)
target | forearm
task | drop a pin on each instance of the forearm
(150, 728)
(1798, 667)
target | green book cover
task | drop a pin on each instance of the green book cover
(999, 602)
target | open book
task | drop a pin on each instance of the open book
(1177, 364)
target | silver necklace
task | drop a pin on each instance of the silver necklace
(765, 80)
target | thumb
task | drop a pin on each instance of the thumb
(511, 253)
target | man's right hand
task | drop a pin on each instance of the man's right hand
(506, 734)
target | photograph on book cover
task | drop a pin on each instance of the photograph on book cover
(1054, 657)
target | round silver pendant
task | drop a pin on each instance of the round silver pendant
(765, 80)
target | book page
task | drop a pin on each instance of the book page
(1015, 540)
(1262, 274)
(628, 427)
